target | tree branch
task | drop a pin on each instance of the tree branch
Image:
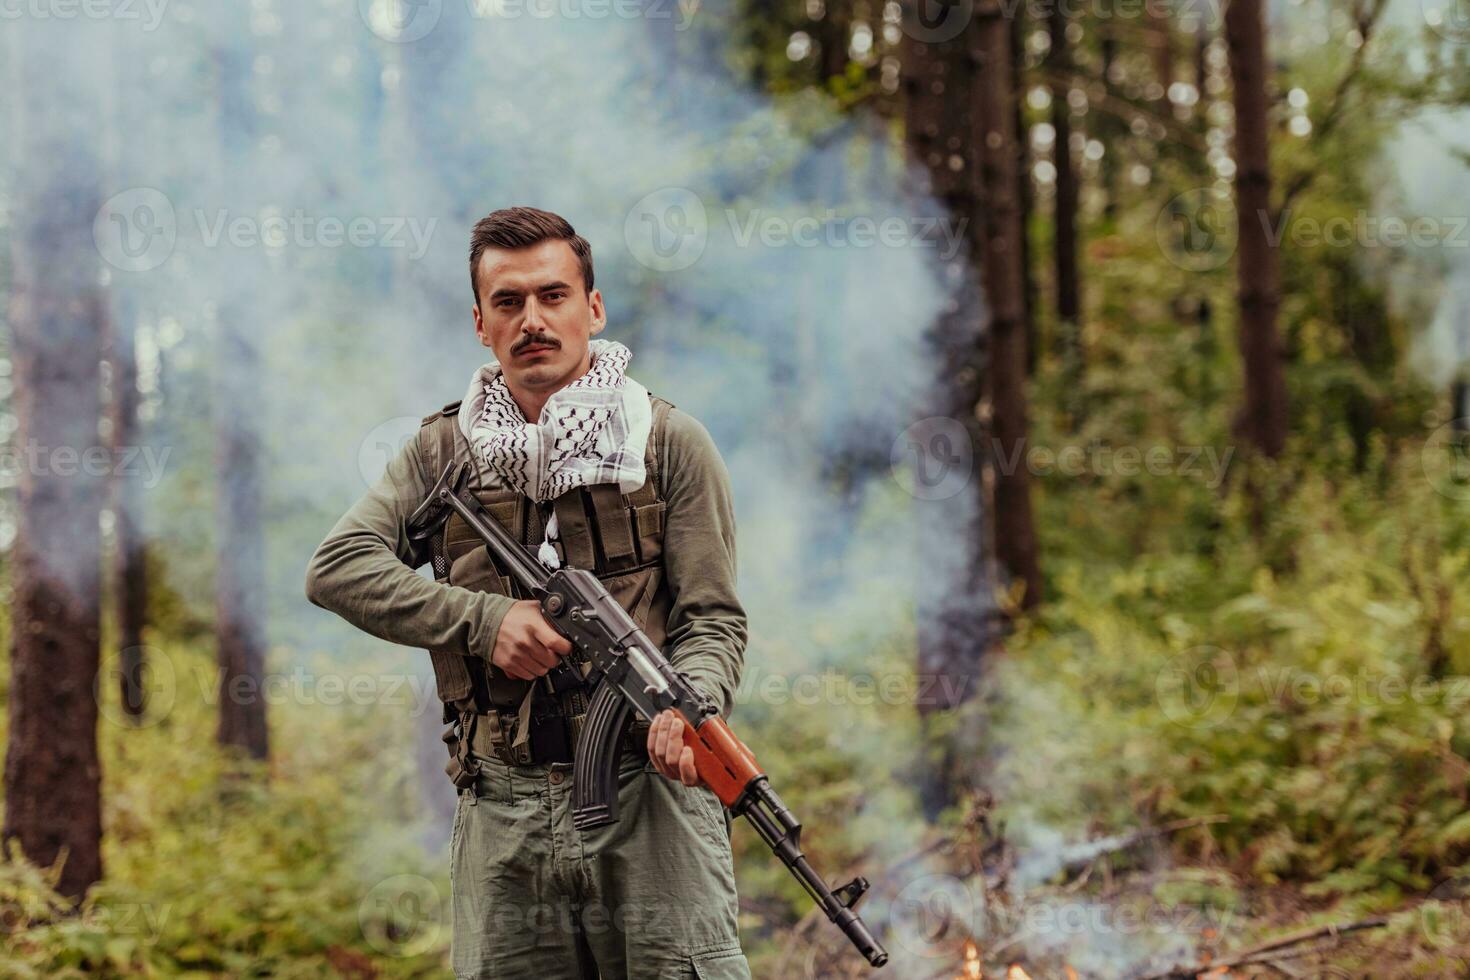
(1257, 952)
(1367, 20)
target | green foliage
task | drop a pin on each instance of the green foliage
(1292, 663)
(219, 868)
(1320, 711)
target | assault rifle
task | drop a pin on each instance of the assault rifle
(632, 674)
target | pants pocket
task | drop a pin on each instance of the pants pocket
(720, 964)
(709, 804)
(459, 804)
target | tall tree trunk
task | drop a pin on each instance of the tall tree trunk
(1163, 51)
(1361, 310)
(1015, 532)
(128, 588)
(1201, 117)
(833, 37)
(1105, 130)
(1059, 61)
(1024, 192)
(129, 565)
(239, 589)
(956, 609)
(1202, 69)
(1263, 420)
(53, 806)
(240, 573)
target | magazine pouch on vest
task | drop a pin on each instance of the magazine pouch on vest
(617, 536)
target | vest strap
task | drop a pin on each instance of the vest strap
(452, 672)
(462, 769)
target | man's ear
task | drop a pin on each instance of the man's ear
(599, 314)
(480, 325)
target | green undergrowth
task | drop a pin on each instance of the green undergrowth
(220, 868)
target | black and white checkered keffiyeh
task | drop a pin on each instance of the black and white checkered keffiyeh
(592, 431)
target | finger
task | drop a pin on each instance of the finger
(535, 652)
(673, 743)
(544, 658)
(666, 765)
(661, 728)
(548, 637)
(653, 738)
(688, 772)
(674, 746)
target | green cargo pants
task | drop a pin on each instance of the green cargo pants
(652, 895)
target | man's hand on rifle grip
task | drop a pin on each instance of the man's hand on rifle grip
(527, 646)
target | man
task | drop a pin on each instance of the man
(585, 467)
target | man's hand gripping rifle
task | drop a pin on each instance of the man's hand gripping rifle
(636, 676)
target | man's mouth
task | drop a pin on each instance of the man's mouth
(536, 349)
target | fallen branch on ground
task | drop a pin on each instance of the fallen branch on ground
(1261, 951)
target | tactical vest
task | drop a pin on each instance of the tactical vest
(616, 536)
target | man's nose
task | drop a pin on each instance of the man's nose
(531, 320)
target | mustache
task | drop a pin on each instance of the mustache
(535, 340)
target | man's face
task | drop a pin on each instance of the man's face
(535, 314)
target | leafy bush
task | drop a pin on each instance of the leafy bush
(216, 867)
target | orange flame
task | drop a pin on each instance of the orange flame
(1071, 973)
(1016, 973)
(973, 970)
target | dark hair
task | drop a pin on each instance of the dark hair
(522, 228)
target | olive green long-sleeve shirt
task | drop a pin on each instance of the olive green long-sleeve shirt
(363, 571)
